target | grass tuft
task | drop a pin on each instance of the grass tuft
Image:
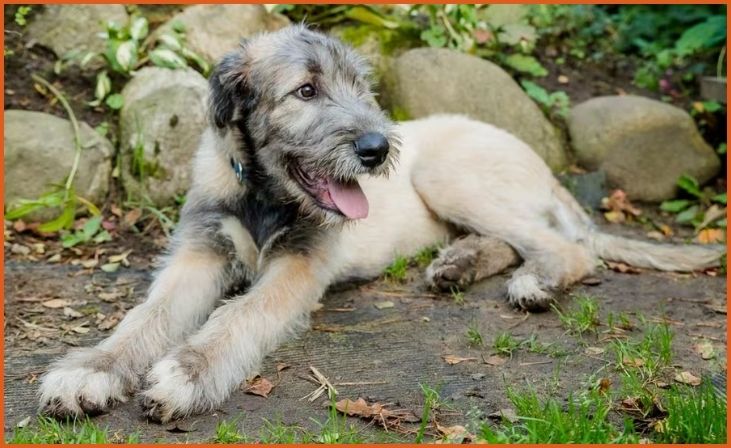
(582, 317)
(474, 337)
(505, 344)
(50, 431)
(694, 416)
(396, 271)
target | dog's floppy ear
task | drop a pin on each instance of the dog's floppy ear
(229, 93)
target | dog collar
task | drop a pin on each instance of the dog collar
(239, 170)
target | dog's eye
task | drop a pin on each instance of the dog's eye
(307, 91)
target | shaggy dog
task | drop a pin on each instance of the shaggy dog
(302, 181)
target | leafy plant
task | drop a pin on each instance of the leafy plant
(505, 344)
(21, 15)
(582, 317)
(396, 271)
(62, 196)
(556, 101)
(701, 208)
(91, 231)
(474, 337)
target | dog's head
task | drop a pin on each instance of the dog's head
(300, 109)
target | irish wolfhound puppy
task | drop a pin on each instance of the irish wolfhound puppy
(291, 194)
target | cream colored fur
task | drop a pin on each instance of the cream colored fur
(453, 171)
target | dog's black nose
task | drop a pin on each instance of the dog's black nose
(372, 149)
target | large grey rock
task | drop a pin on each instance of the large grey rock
(39, 152)
(63, 28)
(426, 81)
(161, 123)
(643, 145)
(213, 30)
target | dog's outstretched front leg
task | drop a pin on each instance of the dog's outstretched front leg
(90, 380)
(200, 374)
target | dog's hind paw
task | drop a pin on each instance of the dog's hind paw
(453, 269)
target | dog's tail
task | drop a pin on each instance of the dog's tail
(665, 257)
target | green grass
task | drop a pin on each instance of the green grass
(50, 431)
(425, 256)
(432, 402)
(505, 344)
(582, 317)
(695, 415)
(457, 295)
(583, 420)
(474, 337)
(227, 431)
(396, 271)
(647, 355)
(533, 345)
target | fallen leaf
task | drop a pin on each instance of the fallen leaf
(70, 312)
(19, 226)
(711, 236)
(614, 216)
(112, 295)
(452, 359)
(713, 213)
(495, 360)
(110, 267)
(666, 229)
(631, 404)
(361, 408)
(623, 268)
(705, 349)
(618, 202)
(604, 385)
(687, 378)
(455, 434)
(81, 328)
(19, 249)
(594, 351)
(55, 258)
(56, 303)
(633, 362)
(110, 322)
(91, 263)
(39, 248)
(121, 258)
(23, 423)
(563, 79)
(259, 386)
(132, 216)
(591, 281)
(282, 366)
(383, 305)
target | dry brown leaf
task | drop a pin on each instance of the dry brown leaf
(112, 296)
(711, 236)
(455, 434)
(383, 305)
(705, 350)
(666, 229)
(505, 414)
(591, 281)
(453, 359)
(81, 328)
(70, 312)
(259, 386)
(621, 267)
(56, 303)
(687, 378)
(604, 385)
(594, 351)
(633, 362)
(110, 322)
(618, 207)
(19, 249)
(495, 360)
(282, 366)
(631, 404)
(361, 408)
(132, 216)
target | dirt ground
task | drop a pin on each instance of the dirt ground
(366, 350)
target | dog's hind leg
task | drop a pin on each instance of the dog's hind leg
(90, 380)
(468, 260)
(489, 182)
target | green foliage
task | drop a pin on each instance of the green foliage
(582, 420)
(457, 295)
(694, 416)
(505, 344)
(474, 337)
(582, 317)
(50, 431)
(648, 355)
(530, 65)
(701, 208)
(432, 402)
(21, 15)
(396, 271)
(91, 231)
(227, 431)
(558, 102)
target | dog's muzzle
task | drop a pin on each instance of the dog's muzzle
(371, 149)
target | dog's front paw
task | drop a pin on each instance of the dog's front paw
(525, 293)
(173, 392)
(83, 383)
(453, 269)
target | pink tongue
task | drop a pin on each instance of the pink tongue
(349, 199)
